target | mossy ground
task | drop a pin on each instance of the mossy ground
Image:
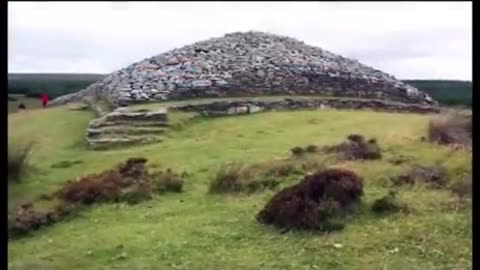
(197, 230)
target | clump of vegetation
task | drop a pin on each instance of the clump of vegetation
(401, 159)
(450, 128)
(389, 204)
(93, 188)
(297, 151)
(463, 188)
(237, 177)
(356, 147)
(318, 202)
(27, 219)
(65, 164)
(128, 182)
(311, 148)
(435, 176)
(18, 160)
(228, 178)
(168, 181)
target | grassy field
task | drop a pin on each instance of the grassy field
(196, 230)
(30, 103)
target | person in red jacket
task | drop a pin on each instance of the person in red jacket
(44, 100)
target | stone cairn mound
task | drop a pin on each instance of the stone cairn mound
(248, 64)
(121, 127)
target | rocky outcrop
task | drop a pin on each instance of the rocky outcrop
(249, 64)
(222, 108)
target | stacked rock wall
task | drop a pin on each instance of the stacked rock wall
(251, 63)
(223, 108)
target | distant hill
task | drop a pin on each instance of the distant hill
(447, 92)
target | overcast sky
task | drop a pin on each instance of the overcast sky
(424, 40)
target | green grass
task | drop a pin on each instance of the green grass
(30, 103)
(196, 230)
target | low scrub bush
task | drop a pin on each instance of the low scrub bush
(318, 202)
(450, 128)
(297, 151)
(311, 148)
(228, 178)
(356, 148)
(18, 160)
(435, 176)
(94, 188)
(129, 182)
(236, 177)
(168, 181)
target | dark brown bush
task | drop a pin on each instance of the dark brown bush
(311, 148)
(357, 138)
(450, 128)
(138, 192)
(297, 151)
(317, 203)
(94, 188)
(356, 148)
(435, 176)
(129, 182)
(27, 219)
(167, 181)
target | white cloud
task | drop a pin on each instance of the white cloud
(407, 39)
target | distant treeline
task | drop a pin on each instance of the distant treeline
(446, 92)
(32, 85)
(54, 85)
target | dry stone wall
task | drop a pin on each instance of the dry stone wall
(223, 108)
(250, 64)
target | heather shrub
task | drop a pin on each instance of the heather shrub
(94, 188)
(318, 202)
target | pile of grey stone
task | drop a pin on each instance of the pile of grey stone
(246, 64)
